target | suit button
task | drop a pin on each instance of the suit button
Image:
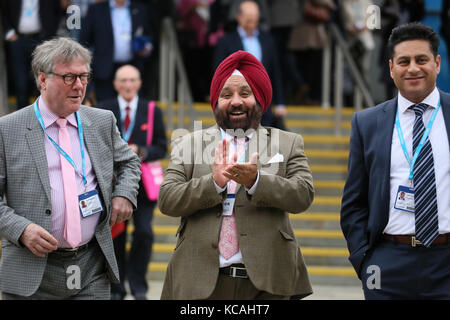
(48, 211)
(214, 245)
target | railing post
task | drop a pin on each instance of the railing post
(163, 64)
(326, 73)
(338, 88)
(172, 68)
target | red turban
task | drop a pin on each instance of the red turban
(253, 71)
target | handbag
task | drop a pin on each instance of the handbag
(152, 174)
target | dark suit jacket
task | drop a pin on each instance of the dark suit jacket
(49, 14)
(97, 32)
(365, 202)
(157, 150)
(232, 42)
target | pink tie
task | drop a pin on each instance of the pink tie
(228, 240)
(72, 229)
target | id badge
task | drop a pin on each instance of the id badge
(228, 205)
(89, 203)
(404, 199)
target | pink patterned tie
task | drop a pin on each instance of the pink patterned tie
(72, 229)
(228, 240)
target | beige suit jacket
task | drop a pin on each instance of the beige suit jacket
(266, 239)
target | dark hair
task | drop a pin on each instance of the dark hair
(413, 31)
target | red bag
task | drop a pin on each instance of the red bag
(117, 229)
(152, 172)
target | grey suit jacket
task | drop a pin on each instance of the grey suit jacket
(25, 182)
(266, 239)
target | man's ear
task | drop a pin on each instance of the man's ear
(42, 78)
(391, 65)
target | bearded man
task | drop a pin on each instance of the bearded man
(234, 185)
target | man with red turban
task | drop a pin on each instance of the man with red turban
(234, 185)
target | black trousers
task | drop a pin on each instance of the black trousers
(400, 271)
(134, 265)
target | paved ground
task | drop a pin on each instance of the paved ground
(321, 292)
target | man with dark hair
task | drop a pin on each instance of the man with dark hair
(413, 31)
(400, 249)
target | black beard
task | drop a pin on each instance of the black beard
(252, 120)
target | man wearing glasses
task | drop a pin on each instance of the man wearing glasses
(55, 156)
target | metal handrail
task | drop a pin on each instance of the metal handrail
(173, 78)
(361, 90)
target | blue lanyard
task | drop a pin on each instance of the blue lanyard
(127, 134)
(422, 140)
(60, 150)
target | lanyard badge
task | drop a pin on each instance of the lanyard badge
(422, 140)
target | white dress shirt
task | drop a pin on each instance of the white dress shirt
(29, 22)
(122, 31)
(123, 104)
(237, 258)
(401, 222)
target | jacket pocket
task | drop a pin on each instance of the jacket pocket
(179, 242)
(181, 228)
(287, 236)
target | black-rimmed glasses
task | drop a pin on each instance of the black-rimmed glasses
(70, 78)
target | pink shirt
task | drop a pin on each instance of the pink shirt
(88, 224)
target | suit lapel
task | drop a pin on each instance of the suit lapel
(140, 119)
(91, 144)
(36, 142)
(445, 105)
(384, 131)
(238, 40)
(116, 110)
(210, 139)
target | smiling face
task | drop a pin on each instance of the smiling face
(414, 69)
(237, 107)
(60, 98)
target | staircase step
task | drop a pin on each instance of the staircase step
(301, 233)
(306, 251)
(312, 270)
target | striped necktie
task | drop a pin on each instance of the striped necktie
(427, 228)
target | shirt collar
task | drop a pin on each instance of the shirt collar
(123, 104)
(112, 5)
(50, 118)
(432, 100)
(226, 136)
(243, 33)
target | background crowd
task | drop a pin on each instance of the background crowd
(291, 34)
